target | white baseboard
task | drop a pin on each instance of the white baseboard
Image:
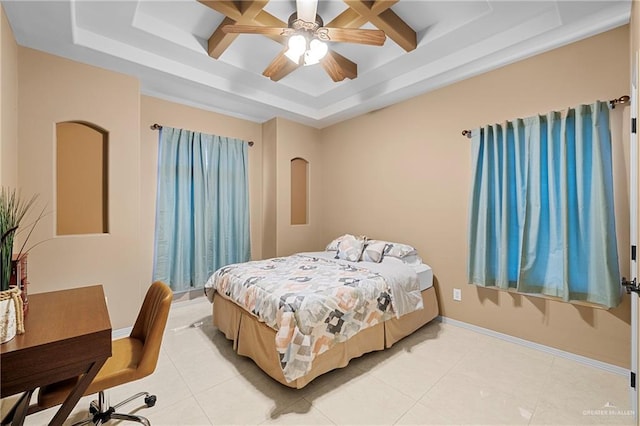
(124, 332)
(186, 302)
(548, 349)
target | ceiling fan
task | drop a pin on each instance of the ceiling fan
(307, 37)
(249, 17)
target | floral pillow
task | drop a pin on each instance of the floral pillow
(350, 249)
(374, 251)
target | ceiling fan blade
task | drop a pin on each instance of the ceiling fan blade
(353, 35)
(280, 67)
(338, 67)
(254, 29)
(307, 10)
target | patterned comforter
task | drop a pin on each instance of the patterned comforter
(313, 301)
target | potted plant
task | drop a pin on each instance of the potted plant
(13, 209)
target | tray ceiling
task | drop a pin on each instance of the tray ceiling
(164, 44)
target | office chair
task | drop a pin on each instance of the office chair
(132, 358)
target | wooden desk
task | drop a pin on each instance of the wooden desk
(67, 334)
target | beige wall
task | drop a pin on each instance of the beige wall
(635, 26)
(269, 188)
(285, 140)
(55, 90)
(170, 114)
(296, 140)
(8, 104)
(403, 174)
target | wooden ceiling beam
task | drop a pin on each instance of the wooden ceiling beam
(228, 8)
(380, 6)
(380, 15)
(243, 13)
(347, 19)
(352, 19)
(268, 20)
(250, 9)
(397, 30)
(219, 40)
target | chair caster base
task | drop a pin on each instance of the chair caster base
(150, 400)
(100, 413)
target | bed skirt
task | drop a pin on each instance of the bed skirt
(254, 339)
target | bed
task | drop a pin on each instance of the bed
(300, 316)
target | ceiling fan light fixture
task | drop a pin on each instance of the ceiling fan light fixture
(317, 50)
(297, 45)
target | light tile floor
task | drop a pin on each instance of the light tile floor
(442, 374)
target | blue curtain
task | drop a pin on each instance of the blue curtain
(202, 208)
(542, 216)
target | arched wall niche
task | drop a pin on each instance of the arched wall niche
(82, 193)
(299, 191)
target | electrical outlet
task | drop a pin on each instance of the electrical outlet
(457, 294)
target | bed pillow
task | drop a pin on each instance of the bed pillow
(412, 259)
(374, 251)
(333, 245)
(350, 249)
(397, 249)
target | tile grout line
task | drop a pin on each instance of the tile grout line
(548, 379)
(449, 370)
(191, 392)
(168, 354)
(405, 413)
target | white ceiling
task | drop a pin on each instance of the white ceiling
(164, 44)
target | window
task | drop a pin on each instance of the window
(542, 217)
(202, 207)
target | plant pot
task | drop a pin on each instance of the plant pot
(11, 314)
(19, 279)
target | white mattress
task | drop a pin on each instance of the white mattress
(425, 275)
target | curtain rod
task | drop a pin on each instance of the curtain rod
(156, 126)
(612, 103)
